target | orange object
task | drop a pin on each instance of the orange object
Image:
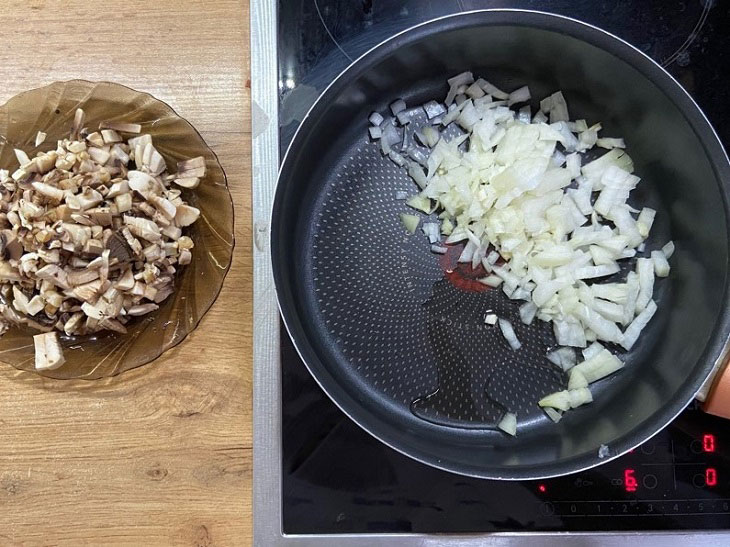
(718, 400)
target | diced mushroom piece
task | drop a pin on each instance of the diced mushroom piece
(120, 154)
(40, 138)
(102, 216)
(118, 188)
(50, 192)
(76, 147)
(99, 155)
(164, 206)
(110, 136)
(79, 119)
(35, 305)
(80, 277)
(186, 215)
(93, 311)
(54, 274)
(10, 246)
(45, 162)
(142, 227)
(172, 232)
(185, 257)
(95, 138)
(77, 234)
(142, 309)
(88, 292)
(87, 199)
(72, 326)
(49, 256)
(187, 182)
(113, 325)
(144, 184)
(22, 157)
(125, 281)
(30, 210)
(142, 140)
(48, 351)
(20, 300)
(123, 202)
(121, 127)
(192, 163)
(132, 241)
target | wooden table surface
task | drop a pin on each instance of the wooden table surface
(160, 455)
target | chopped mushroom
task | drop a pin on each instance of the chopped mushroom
(91, 232)
(48, 351)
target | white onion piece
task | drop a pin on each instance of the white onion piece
(590, 272)
(491, 281)
(491, 318)
(508, 423)
(474, 91)
(528, 310)
(610, 143)
(375, 118)
(492, 90)
(520, 95)
(599, 366)
(661, 265)
(591, 351)
(410, 222)
(604, 329)
(433, 109)
(632, 332)
(375, 132)
(439, 249)
(576, 380)
(397, 106)
(431, 230)
(562, 357)
(645, 271)
(668, 249)
(568, 332)
(554, 415)
(579, 396)
(645, 221)
(509, 334)
(559, 400)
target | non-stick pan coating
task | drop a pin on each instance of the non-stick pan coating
(400, 343)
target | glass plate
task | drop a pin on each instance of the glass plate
(51, 109)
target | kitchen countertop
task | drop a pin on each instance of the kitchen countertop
(160, 455)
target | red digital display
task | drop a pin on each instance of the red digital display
(710, 476)
(542, 488)
(630, 482)
(708, 442)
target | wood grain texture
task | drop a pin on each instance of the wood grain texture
(160, 455)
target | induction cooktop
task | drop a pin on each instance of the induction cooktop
(331, 479)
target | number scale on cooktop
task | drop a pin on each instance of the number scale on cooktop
(338, 479)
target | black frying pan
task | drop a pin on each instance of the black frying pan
(401, 346)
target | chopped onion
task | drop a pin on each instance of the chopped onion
(509, 334)
(599, 366)
(645, 271)
(562, 357)
(375, 132)
(559, 400)
(490, 319)
(661, 265)
(632, 332)
(491, 281)
(434, 109)
(576, 379)
(528, 310)
(508, 423)
(432, 231)
(520, 95)
(492, 90)
(668, 249)
(410, 222)
(592, 350)
(397, 106)
(439, 249)
(611, 143)
(645, 221)
(375, 118)
(554, 415)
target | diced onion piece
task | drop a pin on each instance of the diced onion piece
(559, 400)
(610, 143)
(491, 281)
(375, 132)
(645, 221)
(410, 222)
(569, 333)
(632, 332)
(375, 118)
(528, 310)
(576, 379)
(579, 396)
(439, 249)
(520, 95)
(492, 90)
(554, 415)
(397, 106)
(508, 423)
(562, 357)
(431, 230)
(590, 272)
(433, 109)
(668, 249)
(420, 203)
(599, 366)
(491, 318)
(645, 271)
(661, 265)
(591, 351)
(509, 334)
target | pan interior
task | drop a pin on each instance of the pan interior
(401, 344)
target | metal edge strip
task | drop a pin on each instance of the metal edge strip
(267, 452)
(267, 495)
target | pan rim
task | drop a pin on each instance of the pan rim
(719, 341)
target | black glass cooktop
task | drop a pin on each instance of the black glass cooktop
(337, 478)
